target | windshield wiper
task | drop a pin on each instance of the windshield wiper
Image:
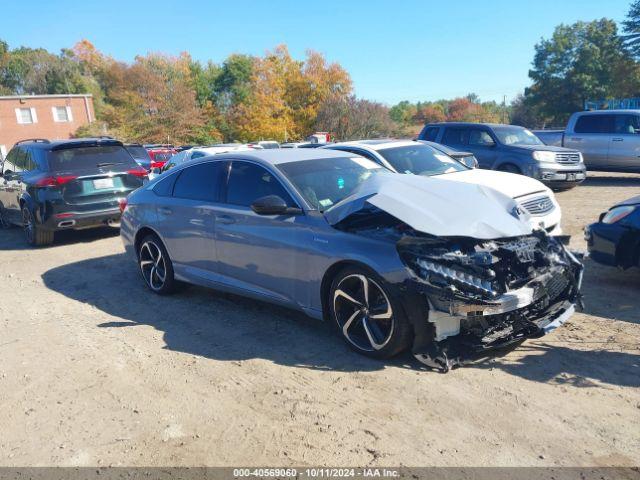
(108, 164)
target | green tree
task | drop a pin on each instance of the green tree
(586, 60)
(631, 28)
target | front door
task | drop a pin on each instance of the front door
(483, 147)
(259, 253)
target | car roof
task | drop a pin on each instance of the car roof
(279, 156)
(604, 112)
(381, 144)
(58, 144)
(470, 124)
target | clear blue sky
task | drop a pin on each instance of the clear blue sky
(394, 50)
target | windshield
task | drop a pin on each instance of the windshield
(138, 152)
(516, 136)
(420, 159)
(90, 157)
(325, 182)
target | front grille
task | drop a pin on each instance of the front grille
(538, 205)
(568, 158)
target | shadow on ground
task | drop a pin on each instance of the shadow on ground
(226, 327)
(552, 363)
(608, 180)
(12, 238)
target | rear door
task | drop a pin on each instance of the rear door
(259, 253)
(592, 135)
(12, 183)
(624, 146)
(185, 215)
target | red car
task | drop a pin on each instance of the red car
(160, 154)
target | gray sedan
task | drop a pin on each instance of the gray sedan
(446, 268)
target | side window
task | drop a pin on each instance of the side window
(199, 182)
(198, 155)
(10, 161)
(164, 188)
(20, 160)
(629, 124)
(594, 124)
(455, 136)
(248, 182)
(480, 138)
(431, 134)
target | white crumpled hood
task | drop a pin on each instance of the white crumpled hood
(510, 184)
(437, 206)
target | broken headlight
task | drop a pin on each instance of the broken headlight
(436, 272)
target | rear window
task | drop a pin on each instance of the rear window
(138, 152)
(76, 158)
(455, 136)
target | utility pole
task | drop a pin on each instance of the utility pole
(504, 109)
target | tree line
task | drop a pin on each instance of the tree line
(163, 98)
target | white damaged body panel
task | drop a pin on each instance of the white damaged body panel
(438, 206)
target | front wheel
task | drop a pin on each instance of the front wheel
(370, 319)
(155, 265)
(35, 236)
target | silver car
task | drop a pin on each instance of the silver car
(446, 268)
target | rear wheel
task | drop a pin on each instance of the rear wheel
(155, 266)
(34, 234)
(4, 223)
(370, 319)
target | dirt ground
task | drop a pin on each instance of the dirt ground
(95, 370)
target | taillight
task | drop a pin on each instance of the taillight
(55, 180)
(157, 164)
(138, 172)
(122, 203)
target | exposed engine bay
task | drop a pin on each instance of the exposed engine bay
(480, 294)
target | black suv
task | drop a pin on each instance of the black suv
(70, 184)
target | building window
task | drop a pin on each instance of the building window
(62, 114)
(26, 115)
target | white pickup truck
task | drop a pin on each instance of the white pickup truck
(608, 139)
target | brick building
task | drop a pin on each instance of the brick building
(53, 117)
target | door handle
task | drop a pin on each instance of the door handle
(225, 219)
(165, 210)
(618, 139)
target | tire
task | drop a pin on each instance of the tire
(355, 314)
(155, 266)
(4, 223)
(509, 168)
(35, 236)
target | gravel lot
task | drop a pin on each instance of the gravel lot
(95, 370)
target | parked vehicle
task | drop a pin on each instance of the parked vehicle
(615, 238)
(419, 158)
(512, 149)
(71, 184)
(160, 154)
(466, 158)
(446, 268)
(140, 155)
(186, 155)
(266, 144)
(608, 139)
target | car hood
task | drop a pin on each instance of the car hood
(510, 184)
(436, 206)
(544, 148)
(629, 201)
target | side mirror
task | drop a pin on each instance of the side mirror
(272, 205)
(155, 171)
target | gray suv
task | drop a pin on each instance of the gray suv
(512, 149)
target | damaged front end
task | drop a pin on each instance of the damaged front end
(487, 294)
